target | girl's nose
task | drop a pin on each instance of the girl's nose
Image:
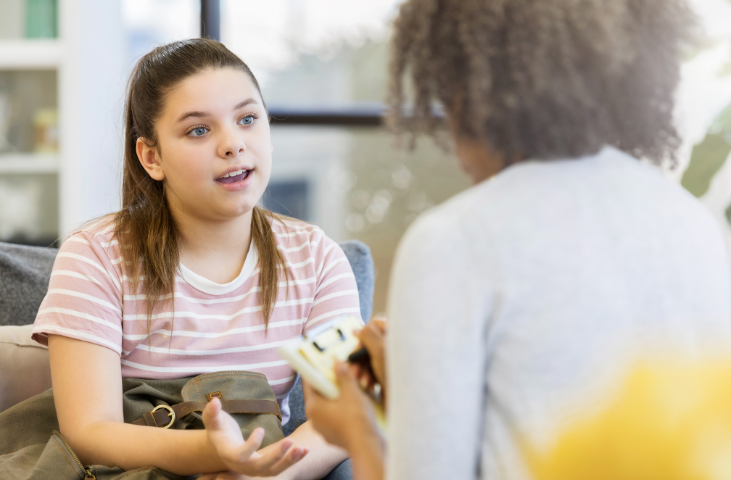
(231, 145)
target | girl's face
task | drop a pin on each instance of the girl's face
(214, 147)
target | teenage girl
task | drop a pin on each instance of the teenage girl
(190, 277)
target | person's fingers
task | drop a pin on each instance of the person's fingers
(371, 337)
(226, 436)
(379, 322)
(293, 456)
(244, 452)
(211, 418)
(272, 454)
(345, 377)
(307, 391)
(312, 400)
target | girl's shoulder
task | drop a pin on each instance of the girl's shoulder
(289, 231)
(296, 238)
(95, 238)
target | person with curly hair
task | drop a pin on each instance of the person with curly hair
(516, 305)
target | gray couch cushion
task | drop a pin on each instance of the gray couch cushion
(24, 275)
(359, 256)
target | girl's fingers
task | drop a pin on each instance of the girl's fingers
(210, 414)
(293, 456)
(272, 454)
(243, 453)
(225, 435)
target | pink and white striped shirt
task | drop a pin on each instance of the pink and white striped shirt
(216, 327)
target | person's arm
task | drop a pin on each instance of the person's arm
(349, 422)
(336, 294)
(320, 460)
(88, 395)
(438, 313)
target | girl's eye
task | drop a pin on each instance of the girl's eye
(198, 132)
(247, 120)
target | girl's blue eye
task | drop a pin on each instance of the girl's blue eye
(198, 131)
(248, 120)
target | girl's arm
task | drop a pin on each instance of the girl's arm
(321, 459)
(88, 395)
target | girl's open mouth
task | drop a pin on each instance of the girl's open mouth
(234, 177)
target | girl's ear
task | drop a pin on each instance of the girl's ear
(149, 159)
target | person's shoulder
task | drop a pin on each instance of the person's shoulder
(451, 216)
(443, 229)
(95, 238)
(290, 231)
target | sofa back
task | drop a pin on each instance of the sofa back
(24, 275)
(25, 272)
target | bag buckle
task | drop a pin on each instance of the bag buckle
(171, 414)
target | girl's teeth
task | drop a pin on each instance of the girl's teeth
(233, 174)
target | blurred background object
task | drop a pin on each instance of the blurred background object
(704, 113)
(61, 82)
(322, 65)
(669, 421)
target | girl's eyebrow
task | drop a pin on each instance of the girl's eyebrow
(239, 105)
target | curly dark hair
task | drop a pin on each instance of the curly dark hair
(543, 79)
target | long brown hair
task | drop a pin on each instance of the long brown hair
(144, 227)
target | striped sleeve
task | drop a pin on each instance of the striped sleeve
(84, 298)
(337, 292)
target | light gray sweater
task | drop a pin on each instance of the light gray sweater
(519, 304)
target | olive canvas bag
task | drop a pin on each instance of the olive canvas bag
(31, 446)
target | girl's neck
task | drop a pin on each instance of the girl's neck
(216, 250)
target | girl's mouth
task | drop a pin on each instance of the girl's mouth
(234, 177)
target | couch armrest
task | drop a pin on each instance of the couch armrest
(25, 370)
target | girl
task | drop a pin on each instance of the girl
(516, 305)
(190, 276)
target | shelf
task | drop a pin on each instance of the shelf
(28, 163)
(30, 54)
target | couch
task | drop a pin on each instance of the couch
(24, 366)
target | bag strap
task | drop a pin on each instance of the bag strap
(165, 416)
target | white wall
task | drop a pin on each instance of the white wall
(91, 86)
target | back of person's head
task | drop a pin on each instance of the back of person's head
(543, 79)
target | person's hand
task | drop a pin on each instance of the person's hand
(372, 337)
(242, 457)
(346, 419)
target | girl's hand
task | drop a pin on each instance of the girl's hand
(344, 421)
(242, 457)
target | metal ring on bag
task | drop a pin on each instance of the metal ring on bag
(171, 414)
